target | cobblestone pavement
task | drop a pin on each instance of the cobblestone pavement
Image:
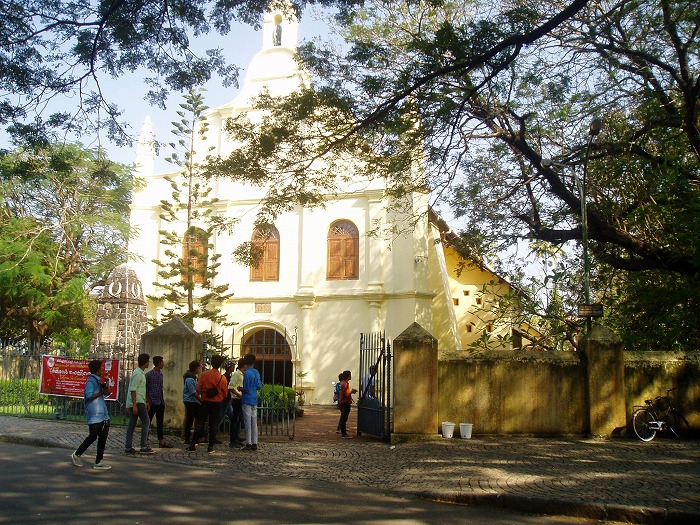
(616, 480)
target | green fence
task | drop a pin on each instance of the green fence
(20, 376)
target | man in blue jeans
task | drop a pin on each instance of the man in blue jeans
(155, 399)
(137, 407)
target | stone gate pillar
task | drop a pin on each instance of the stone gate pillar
(606, 381)
(121, 311)
(178, 344)
(415, 383)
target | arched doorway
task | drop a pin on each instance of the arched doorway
(273, 356)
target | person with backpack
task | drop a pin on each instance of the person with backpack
(346, 393)
(336, 399)
(212, 388)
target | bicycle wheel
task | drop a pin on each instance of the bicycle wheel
(640, 422)
(678, 425)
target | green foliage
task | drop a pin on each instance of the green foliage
(54, 48)
(470, 97)
(20, 392)
(278, 397)
(187, 274)
(659, 311)
(63, 228)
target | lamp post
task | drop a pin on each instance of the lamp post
(593, 130)
(587, 309)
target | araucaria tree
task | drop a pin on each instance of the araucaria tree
(63, 228)
(496, 102)
(188, 272)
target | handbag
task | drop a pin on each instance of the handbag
(213, 391)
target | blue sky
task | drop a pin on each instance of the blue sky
(128, 92)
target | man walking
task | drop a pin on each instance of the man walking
(137, 406)
(154, 396)
(96, 387)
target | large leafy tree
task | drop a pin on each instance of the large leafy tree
(51, 48)
(482, 96)
(63, 228)
(187, 283)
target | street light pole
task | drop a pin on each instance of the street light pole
(593, 130)
(586, 310)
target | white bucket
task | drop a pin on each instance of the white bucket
(465, 430)
(448, 429)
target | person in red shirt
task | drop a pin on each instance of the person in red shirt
(345, 402)
(212, 388)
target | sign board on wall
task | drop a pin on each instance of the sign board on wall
(64, 376)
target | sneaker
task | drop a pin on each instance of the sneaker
(101, 466)
(192, 448)
(131, 450)
(210, 449)
(76, 460)
(254, 447)
(246, 447)
(165, 444)
(147, 450)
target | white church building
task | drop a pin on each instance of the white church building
(323, 280)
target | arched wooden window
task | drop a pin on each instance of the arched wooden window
(266, 242)
(195, 255)
(343, 251)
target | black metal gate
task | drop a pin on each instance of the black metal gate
(374, 416)
(279, 399)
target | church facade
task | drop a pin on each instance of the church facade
(323, 280)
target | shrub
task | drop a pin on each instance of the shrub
(278, 396)
(21, 392)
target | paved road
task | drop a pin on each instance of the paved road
(40, 485)
(620, 479)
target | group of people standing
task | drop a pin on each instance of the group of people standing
(208, 396)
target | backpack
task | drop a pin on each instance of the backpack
(336, 393)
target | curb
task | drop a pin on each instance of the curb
(32, 442)
(577, 509)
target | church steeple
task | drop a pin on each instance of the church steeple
(274, 68)
(146, 148)
(280, 26)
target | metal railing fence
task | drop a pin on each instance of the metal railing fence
(20, 376)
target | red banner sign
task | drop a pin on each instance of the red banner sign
(63, 376)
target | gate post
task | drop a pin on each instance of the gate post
(178, 344)
(415, 383)
(605, 368)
